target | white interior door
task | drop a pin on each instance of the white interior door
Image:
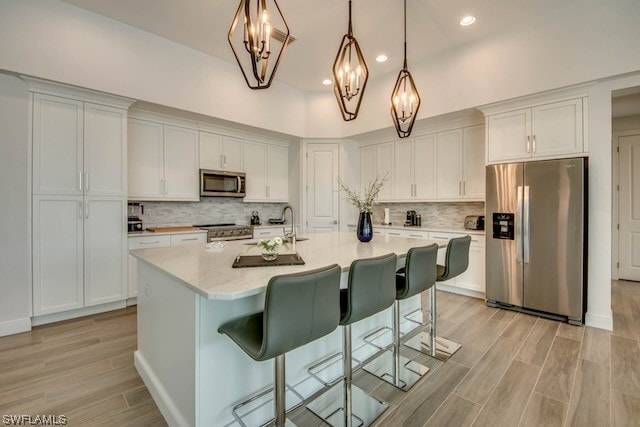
(629, 179)
(323, 199)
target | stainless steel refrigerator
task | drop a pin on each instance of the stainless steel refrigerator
(536, 237)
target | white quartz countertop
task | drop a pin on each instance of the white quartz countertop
(460, 230)
(209, 272)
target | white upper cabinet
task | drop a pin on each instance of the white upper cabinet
(450, 164)
(163, 162)
(541, 132)
(267, 167)
(57, 145)
(146, 160)
(403, 155)
(78, 147)
(219, 152)
(368, 166)
(385, 166)
(105, 151)
(473, 168)
(425, 161)
(181, 172)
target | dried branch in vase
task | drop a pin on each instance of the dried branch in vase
(365, 202)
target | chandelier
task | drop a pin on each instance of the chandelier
(350, 75)
(405, 100)
(260, 45)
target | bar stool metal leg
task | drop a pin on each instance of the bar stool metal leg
(391, 366)
(344, 404)
(430, 343)
(279, 394)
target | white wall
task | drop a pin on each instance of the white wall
(15, 284)
(622, 124)
(56, 41)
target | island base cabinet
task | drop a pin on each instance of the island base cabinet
(197, 375)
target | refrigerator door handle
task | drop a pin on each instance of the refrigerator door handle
(519, 226)
(525, 225)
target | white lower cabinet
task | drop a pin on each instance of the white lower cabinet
(473, 279)
(79, 252)
(148, 241)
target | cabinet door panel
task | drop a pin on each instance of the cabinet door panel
(181, 164)
(449, 164)
(557, 128)
(255, 161)
(368, 166)
(507, 135)
(232, 154)
(105, 150)
(385, 165)
(210, 151)
(57, 254)
(145, 160)
(473, 277)
(473, 169)
(403, 169)
(105, 251)
(57, 145)
(426, 166)
(277, 173)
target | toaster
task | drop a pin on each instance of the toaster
(474, 222)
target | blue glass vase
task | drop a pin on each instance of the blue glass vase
(365, 227)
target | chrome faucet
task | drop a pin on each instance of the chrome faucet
(291, 236)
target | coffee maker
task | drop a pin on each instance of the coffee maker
(255, 219)
(134, 223)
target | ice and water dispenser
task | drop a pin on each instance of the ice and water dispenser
(504, 226)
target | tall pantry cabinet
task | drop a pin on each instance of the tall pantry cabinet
(79, 153)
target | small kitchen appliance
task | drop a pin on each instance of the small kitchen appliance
(134, 223)
(255, 218)
(474, 222)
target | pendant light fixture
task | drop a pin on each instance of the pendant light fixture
(405, 100)
(259, 45)
(350, 75)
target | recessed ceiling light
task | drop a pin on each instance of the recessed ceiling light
(467, 20)
(327, 82)
(381, 58)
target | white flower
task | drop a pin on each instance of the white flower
(271, 243)
(278, 241)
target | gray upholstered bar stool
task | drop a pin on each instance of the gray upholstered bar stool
(298, 308)
(456, 263)
(369, 291)
(390, 365)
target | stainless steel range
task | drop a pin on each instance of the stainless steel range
(216, 232)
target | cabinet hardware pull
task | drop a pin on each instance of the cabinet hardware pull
(80, 181)
(415, 235)
(394, 234)
(86, 181)
(534, 143)
(166, 186)
(440, 237)
(221, 161)
(528, 144)
(80, 212)
(186, 240)
(264, 232)
(464, 188)
(86, 209)
(150, 243)
(460, 188)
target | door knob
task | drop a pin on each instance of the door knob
(334, 221)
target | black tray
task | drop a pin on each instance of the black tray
(243, 261)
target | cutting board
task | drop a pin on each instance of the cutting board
(173, 229)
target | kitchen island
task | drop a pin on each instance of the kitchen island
(196, 375)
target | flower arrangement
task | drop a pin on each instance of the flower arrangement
(270, 247)
(365, 202)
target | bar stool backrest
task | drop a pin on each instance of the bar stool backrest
(300, 308)
(421, 271)
(371, 287)
(457, 259)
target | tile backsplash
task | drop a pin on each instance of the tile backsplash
(436, 214)
(207, 211)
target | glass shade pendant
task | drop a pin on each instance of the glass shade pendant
(350, 75)
(260, 42)
(405, 100)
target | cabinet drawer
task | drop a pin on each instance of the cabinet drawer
(188, 239)
(267, 233)
(145, 242)
(444, 237)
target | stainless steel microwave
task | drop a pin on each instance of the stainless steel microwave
(222, 183)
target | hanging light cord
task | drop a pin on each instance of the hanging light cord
(405, 33)
(350, 29)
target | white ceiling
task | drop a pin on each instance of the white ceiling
(319, 26)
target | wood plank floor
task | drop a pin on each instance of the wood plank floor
(513, 370)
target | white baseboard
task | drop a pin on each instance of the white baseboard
(132, 301)
(169, 411)
(15, 326)
(80, 312)
(599, 321)
(460, 291)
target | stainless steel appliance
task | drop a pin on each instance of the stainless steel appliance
(474, 222)
(216, 232)
(134, 223)
(222, 183)
(536, 239)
